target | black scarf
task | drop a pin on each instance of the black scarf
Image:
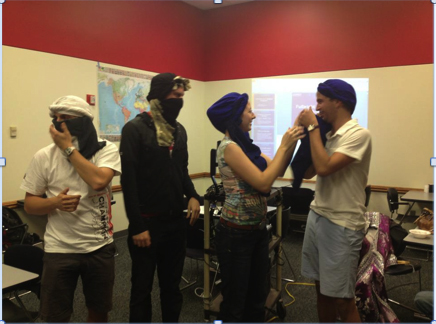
(84, 130)
(171, 109)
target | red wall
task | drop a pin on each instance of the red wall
(263, 38)
(158, 36)
(259, 38)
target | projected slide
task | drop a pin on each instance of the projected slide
(277, 102)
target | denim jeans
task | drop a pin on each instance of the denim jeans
(424, 302)
(244, 263)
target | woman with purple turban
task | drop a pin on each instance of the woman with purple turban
(241, 236)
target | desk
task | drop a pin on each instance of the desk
(425, 245)
(429, 241)
(13, 277)
(416, 196)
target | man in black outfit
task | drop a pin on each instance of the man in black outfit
(154, 158)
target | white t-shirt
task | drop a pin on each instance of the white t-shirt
(89, 227)
(340, 196)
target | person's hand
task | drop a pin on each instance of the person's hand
(66, 202)
(62, 140)
(193, 210)
(307, 117)
(297, 120)
(291, 136)
(142, 239)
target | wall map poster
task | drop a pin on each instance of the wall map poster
(122, 96)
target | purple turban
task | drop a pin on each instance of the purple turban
(340, 90)
(227, 110)
(225, 114)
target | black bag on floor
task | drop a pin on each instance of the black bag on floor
(15, 231)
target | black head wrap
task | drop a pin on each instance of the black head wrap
(84, 130)
(163, 83)
(225, 114)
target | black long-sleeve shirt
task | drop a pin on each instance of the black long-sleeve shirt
(154, 180)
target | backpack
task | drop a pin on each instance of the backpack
(15, 231)
(397, 234)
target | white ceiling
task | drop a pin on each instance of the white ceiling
(210, 4)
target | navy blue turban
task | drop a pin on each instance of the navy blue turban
(340, 90)
(225, 114)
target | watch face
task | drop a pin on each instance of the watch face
(69, 150)
(312, 127)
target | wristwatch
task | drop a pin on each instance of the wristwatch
(69, 150)
(312, 127)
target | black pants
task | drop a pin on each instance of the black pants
(167, 253)
(244, 264)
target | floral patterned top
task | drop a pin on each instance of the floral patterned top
(244, 205)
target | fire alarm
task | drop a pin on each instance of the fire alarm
(90, 99)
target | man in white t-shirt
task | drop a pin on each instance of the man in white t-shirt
(335, 225)
(75, 173)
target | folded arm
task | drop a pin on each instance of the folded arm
(96, 177)
(324, 164)
(37, 205)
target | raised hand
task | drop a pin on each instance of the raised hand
(307, 117)
(291, 136)
(62, 140)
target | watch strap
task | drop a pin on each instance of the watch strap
(312, 127)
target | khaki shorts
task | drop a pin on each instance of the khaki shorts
(59, 280)
(331, 255)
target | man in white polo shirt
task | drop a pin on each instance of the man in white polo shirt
(335, 225)
(75, 173)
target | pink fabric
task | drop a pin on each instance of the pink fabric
(376, 255)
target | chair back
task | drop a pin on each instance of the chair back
(392, 195)
(26, 257)
(367, 195)
(298, 199)
(397, 234)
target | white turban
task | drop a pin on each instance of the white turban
(71, 105)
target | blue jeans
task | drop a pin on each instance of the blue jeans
(424, 302)
(244, 263)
